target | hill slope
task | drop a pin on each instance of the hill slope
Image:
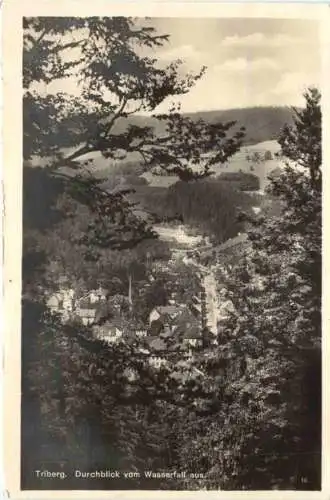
(261, 123)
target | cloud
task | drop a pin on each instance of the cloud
(254, 39)
(294, 83)
(261, 40)
(242, 64)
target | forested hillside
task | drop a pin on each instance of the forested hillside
(211, 206)
(261, 123)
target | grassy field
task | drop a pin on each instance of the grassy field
(105, 167)
(237, 163)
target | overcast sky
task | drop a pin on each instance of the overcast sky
(250, 62)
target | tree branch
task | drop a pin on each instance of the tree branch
(88, 148)
(38, 40)
(70, 45)
(116, 115)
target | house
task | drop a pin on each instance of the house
(68, 299)
(158, 346)
(86, 315)
(154, 349)
(179, 333)
(141, 333)
(62, 302)
(65, 302)
(55, 302)
(62, 299)
(117, 328)
(99, 295)
(166, 314)
(188, 329)
(157, 361)
(86, 311)
(173, 329)
(114, 333)
(176, 319)
(109, 332)
(157, 350)
(113, 330)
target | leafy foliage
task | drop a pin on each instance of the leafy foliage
(270, 418)
(116, 80)
(76, 388)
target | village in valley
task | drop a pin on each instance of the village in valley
(191, 323)
(190, 326)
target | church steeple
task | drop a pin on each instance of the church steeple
(203, 309)
(130, 291)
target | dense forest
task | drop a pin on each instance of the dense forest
(243, 413)
(211, 206)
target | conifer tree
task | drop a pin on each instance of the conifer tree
(266, 426)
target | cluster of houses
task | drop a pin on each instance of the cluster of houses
(66, 303)
(181, 328)
(170, 327)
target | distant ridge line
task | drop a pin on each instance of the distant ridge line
(261, 123)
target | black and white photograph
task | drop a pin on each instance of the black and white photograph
(172, 253)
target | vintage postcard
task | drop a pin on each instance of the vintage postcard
(163, 249)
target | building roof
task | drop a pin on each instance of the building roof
(54, 300)
(89, 313)
(158, 345)
(170, 310)
(196, 309)
(185, 323)
(85, 303)
(110, 326)
(163, 341)
(98, 291)
(117, 322)
(170, 314)
(188, 327)
(185, 375)
(237, 240)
